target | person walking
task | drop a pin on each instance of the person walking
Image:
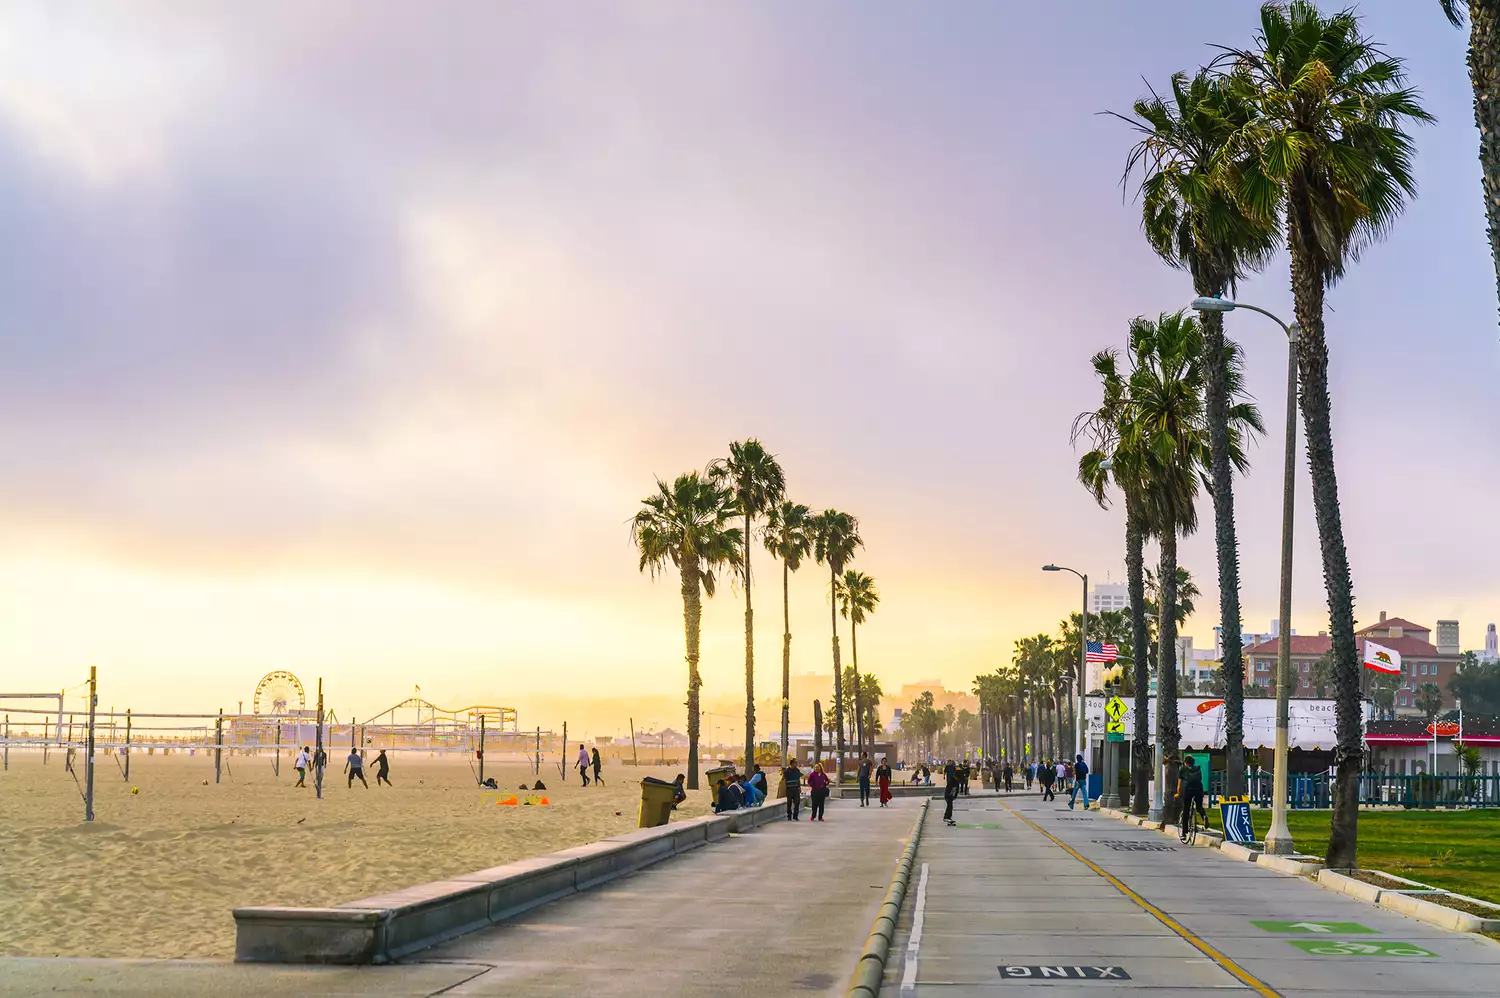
(355, 767)
(864, 779)
(791, 777)
(1080, 782)
(1030, 774)
(1062, 777)
(817, 784)
(382, 769)
(303, 760)
(598, 764)
(1046, 775)
(950, 791)
(583, 764)
(1009, 772)
(883, 777)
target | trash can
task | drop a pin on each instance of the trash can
(656, 802)
(712, 777)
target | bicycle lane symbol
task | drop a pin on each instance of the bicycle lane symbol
(1351, 947)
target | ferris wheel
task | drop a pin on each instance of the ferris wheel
(279, 692)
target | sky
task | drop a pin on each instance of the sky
(348, 344)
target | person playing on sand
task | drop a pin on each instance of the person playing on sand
(583, 763)
(382, 769)
(598, 764)
(304, 759)
(355, 767)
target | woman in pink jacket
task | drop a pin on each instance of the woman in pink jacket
(817, 783)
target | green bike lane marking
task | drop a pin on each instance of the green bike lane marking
(1358, 947)
(1320, 928)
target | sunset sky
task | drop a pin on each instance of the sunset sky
(348, 344)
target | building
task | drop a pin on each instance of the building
(1447, 637)
(1491, 645)
(1247, 638)
(1109, 596)
(1421, 661)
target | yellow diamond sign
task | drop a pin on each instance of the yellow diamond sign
(1115, 708)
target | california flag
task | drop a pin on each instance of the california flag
(1382, 659)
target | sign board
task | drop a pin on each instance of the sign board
(1010, 973)
(1116, 708)
(1316, 928)
(1234, 815)
(1312, 722)
(1114, 736)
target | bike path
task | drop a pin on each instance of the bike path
(1020, 896)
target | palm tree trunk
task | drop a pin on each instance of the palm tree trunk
(859, 713)
(1140, 653)
(692, 618)
(1168, 733)
(749, 657)
(786, 656)
(838, 678)
(1227, 544)
(1036, 727)
(1312, 364)
(1484, 36)
(817, 732)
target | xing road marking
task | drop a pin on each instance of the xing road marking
(1331, 928)
(1014, 973)
(1240, 973)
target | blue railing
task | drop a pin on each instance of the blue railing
(1314, 790)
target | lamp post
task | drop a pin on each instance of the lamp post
(1079, 744)
(1279, 838)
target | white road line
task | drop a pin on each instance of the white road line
(919, 914)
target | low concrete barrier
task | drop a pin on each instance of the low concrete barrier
(390, 926)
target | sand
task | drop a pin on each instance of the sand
(157, 874)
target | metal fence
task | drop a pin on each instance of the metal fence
(1375, 789)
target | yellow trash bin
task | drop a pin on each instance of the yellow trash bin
(656, 802)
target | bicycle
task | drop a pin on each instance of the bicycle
(1189, 822)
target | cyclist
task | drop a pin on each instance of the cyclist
(1190, 793)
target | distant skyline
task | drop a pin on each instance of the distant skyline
(348, 345)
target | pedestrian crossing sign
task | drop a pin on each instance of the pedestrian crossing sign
(1115, 708)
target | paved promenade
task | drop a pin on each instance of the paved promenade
(1014, 898)
(783, 910)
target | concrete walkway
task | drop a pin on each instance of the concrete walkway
(1000, 903)
(783, 910)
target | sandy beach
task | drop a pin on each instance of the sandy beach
(158, 873)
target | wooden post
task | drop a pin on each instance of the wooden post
(7, 743)
(46, 737)
(565, 752)
(538, 768)
(481, 748)
(88, 793)
(276, 759)
(127, 744)
(318, 752)
(633, 760)
(219, 745)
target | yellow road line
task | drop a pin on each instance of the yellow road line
(1243, 975)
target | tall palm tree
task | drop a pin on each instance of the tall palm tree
(1193, 221)
(1484, 74)
(1187, 595)
(857, 597)
(835, 539)
(1326, 146)
(689, 523)
(1115, 457)
(758, 484)
(788, 538)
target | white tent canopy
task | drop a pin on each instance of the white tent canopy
(1311, 723)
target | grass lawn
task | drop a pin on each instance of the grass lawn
(1458, 851)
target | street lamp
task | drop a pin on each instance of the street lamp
(1083, 660)
(1279, 838)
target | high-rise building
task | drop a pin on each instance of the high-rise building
(1447, 637)
(1108, 596)
(1491, 645)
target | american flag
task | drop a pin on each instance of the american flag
(1096, 652)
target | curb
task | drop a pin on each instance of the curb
(869, 972)
(1405, 904)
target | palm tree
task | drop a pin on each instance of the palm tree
(1484, 74)
(1115, 456)
(1187, 596)
(689, 524)
(857, 597)
(1429, 700)
(788, 538)
(1193, 221)
(758, 484)
(835, 538)
(1326, 147)
(1032, 657)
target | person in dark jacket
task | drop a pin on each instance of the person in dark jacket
(1047, 775)
(725, 799)
(1080, 782)
(597, 765)
(1009, 772)
(678, 793)
(950, 790)
(792, 777)
(864, 779)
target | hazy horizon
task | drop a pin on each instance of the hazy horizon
(349, 345)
